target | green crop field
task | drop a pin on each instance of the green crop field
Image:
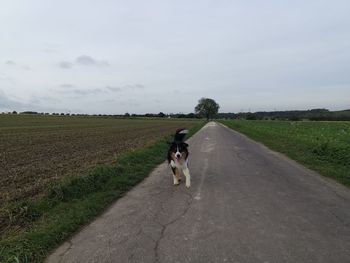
(58, 172)
(321, 146)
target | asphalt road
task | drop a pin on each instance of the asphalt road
(246, 204)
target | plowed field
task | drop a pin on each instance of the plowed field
(38, 150)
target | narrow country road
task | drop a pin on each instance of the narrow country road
(246, 204)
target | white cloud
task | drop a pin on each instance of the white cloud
(65, 64)
(88, 60)
(10, 62)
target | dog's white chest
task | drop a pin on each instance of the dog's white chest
(177, 164)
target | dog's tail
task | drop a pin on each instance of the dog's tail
(180, 135)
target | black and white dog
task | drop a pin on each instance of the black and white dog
(178, 157)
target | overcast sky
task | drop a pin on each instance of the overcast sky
(150, 56)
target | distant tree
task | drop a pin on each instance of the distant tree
(29, 112)
(207, 108)
(14, 112)
(127, 115)
(150, 115)
(161, 114)
(294, 118)
(191, 115)
(181, 115)
(251, 116)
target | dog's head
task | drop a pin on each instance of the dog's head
(178, 150)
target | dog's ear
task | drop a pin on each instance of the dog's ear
(186, 144)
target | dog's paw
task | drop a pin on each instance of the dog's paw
(177, 183)
(188, 185)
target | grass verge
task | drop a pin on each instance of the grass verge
(72, 203)
(320, 146)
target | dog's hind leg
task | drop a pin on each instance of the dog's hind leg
(186, 172)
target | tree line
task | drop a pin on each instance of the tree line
(208, 108)
(296, 115)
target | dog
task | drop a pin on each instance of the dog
(178, 157)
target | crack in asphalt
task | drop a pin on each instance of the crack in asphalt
(165, 226)
(239, 156)
(340, 219)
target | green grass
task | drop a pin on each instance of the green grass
(321, 146)
(70, 204)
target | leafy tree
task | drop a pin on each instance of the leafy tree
(161, 114)
(207, 107)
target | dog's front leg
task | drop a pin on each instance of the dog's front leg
(175, 172)
(186, 172)
(176, 176)
(176, 181)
